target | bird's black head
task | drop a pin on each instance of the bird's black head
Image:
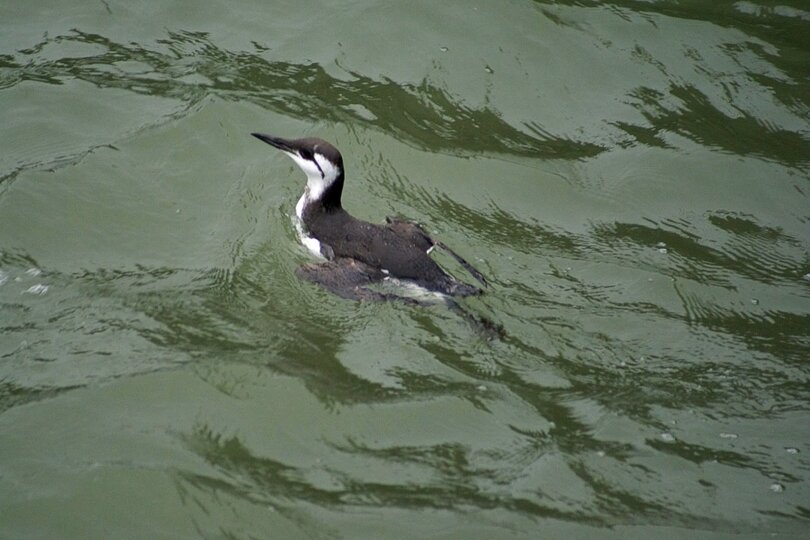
(320, 161)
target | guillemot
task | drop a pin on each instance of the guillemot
(360, 253)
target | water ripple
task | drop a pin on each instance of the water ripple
(422, 114)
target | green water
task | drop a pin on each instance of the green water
(633, 177)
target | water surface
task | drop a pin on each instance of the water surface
(632, 177)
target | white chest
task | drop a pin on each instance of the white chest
(312, 244)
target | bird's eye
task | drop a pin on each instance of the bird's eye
(305, 153)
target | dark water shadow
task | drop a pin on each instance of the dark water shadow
(775, 37)
(266, 481)
(696, 118)
(769, 262)
(422, 115)
(767, 24)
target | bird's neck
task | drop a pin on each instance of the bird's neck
(320, 197)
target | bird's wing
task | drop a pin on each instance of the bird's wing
(420, 237)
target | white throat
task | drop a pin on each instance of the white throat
(319, 178)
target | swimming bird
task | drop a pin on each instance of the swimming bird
(359, 253)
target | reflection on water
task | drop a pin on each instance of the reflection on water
(633, 183)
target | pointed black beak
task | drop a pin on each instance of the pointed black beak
(282, 144)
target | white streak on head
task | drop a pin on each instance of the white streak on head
(316, 183)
